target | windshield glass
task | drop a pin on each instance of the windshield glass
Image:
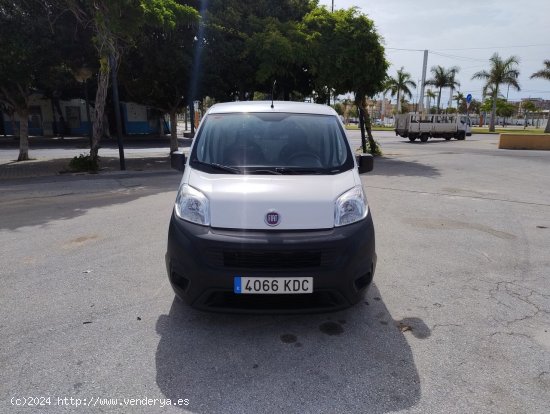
(271, 143)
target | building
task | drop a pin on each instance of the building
(69, 118)
(541, 104)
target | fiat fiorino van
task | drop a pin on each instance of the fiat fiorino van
(270, 214)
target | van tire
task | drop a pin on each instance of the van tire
(412, 139)
(424, 138)
(461, 136)
(448, 138)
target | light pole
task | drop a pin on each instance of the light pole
(423, 84)
(418, 100)
(82, 75)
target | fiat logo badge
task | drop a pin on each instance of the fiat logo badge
(272, 218)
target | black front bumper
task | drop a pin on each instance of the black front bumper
(202, 262)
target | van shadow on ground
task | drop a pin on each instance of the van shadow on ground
(356, 360)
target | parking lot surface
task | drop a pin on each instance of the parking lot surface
(458, 319)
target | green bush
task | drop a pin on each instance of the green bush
(377, 150)
(84, 163)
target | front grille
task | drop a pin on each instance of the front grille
(272, 259)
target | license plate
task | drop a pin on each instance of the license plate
(272, 285)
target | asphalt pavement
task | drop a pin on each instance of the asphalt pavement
(458, 319)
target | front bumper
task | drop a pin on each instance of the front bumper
(202, 262)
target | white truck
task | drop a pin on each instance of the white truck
(446, 126)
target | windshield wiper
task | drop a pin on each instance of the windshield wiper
(261, 171)
(286, 170)
(219, 167)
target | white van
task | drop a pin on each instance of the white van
(270, 213)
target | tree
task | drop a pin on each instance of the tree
(75, 61)
(250, 43)
(28, 53)
(348, 110)
(322, 46)
(339, 108)
(501, 72)
(528, 108)
(544, 74)
(115, 25)
(431, 95)
(280, 50)
(505, 110)
(229, 69)
(459, 98)
(473, 108)
(503, 107)
(400, 83)
(352, 112)
(347, 39)
(442, 78)
(157, 68)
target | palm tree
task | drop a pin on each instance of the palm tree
(544, 74)
(501, 72)
(431, 95)
(400, 83)
(439, 80)
(459, 97)
(442, 78)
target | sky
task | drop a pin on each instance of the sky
(463, 33)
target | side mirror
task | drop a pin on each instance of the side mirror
(365, 163)
(177, 161)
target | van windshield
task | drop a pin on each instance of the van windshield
(271, 143)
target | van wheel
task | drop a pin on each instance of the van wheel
(412, 139)
(424, 138)
(461, 136)
(448, 138)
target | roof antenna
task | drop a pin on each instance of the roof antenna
(273, 92)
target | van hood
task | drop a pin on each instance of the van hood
(302, 202)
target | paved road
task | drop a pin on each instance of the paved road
(457, 321)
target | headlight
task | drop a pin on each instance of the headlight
(350, 207)
(193, 206)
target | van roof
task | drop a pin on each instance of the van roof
(278, 106)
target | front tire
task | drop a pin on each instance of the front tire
(412, 139)
(424, 138)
